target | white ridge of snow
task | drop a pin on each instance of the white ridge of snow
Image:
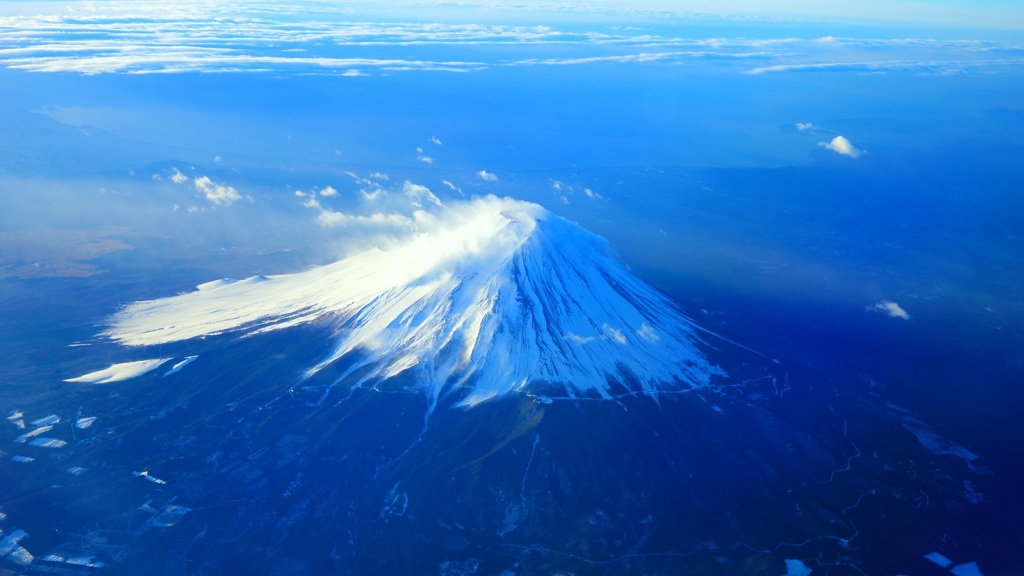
(47, 421)
(179, 365)
(83, 423)
(488, 296)
(118, 372)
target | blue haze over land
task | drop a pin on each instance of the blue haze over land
(840, 194)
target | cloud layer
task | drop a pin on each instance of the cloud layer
(323, 38)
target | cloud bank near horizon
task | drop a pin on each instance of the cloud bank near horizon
(134, 38)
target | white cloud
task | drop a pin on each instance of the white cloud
(425, 159)
(371, 194)
(556, 184)
(178, 178)
(217, 194)
(841, 145)
(591, 194)
(891, 308)
(419, 192)
(436, 140)
(328, 191)
(380, 176)
(487, 176)
(449, 184)
(801, 126)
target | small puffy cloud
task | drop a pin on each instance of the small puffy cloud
(217, 159)
(591, 194)
(328, 191)
(841, 145)
(556, 184)
(300, 194)
(217, 194)
(891, 308)
(425, 159)
(177, 177)
(801, 126)
(419, 192)
(435, 140)
(487, 176)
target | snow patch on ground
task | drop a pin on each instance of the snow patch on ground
(118, 372)
(179, 365)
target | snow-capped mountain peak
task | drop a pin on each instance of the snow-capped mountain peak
(488, 297)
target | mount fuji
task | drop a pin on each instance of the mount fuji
(485, 299)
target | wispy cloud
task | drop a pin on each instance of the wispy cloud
(840, 145)
(924, 66)
(804, 126)
(332, 219)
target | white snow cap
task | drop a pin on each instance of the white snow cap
(488, 296)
